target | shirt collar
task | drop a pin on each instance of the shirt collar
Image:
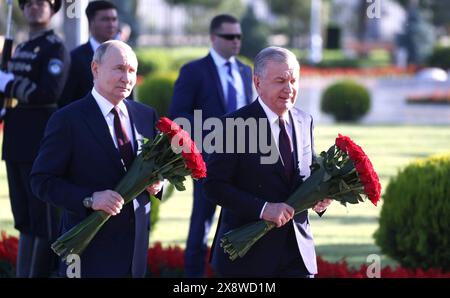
(219, 61)
(94, 43)
(271, 115)
(39, 33)
(106, 106)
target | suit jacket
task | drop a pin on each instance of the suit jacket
(241, 185)
(77, 158)
(198, 87)
(80, 81)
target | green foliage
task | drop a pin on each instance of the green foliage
(254, 34)
(346, 101)
(154, 212)
(297, 13)
(415, 219)
(177, 63)
(418, 37)
(155, 206)
(6, 269)
(438, 10)
(246, 60)
(152, 61)
(440, 58)
(157, 90)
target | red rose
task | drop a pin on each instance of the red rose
(363, 166)
(168, 127)
(355, 152)
(342, 142)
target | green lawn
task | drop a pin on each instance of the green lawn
(341, 232)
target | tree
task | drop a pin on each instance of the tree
(439, 9)
(418, 37)
(127, 11)
(201, 12)
(254, 34)
(297, 14)
(19, 22)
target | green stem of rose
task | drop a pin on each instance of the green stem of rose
(166, 165)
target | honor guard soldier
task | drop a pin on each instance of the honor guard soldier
(36, 76)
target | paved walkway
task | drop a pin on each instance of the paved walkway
(389, 104)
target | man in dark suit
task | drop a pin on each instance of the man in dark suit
(103, 26)
(85, 152)
(252, 186)
(214, 85)
(36, 76)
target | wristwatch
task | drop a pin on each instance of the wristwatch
(87, 202)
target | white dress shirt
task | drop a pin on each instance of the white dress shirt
(94, 43)
(106, 107)
(275, 129)
(222, 69)
(275, 126)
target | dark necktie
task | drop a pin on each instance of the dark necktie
(123, 141)
(286, 150)
(232, 94)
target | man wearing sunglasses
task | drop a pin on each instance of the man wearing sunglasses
(216, 85)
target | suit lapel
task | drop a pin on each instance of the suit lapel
(142, 126)
(212, 69)
(298, 136)
(97, 124)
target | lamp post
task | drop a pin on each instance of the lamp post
(316, 42)
(76, 29)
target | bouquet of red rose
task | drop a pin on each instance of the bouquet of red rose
(171, 155)
(343, 173)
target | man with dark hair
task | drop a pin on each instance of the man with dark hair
(217, 21)
(103, 26)
(36, 76)
(215, 85)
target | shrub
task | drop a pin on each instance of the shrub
(154, 212)
(415, 218)
(150, 62)
(346, 101)
(177, 63)
(254, 33)
(156, 91)
(440, 58)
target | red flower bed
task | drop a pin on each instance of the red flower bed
(169, 262)
(8, 248)
(357, 72)
(342, 270)
(438, 97)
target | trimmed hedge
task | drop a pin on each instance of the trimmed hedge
(440, 58)
(156, 91)
(415, 218)
(346, 101)
(150, 62)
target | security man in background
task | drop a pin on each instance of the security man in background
(36, 76)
